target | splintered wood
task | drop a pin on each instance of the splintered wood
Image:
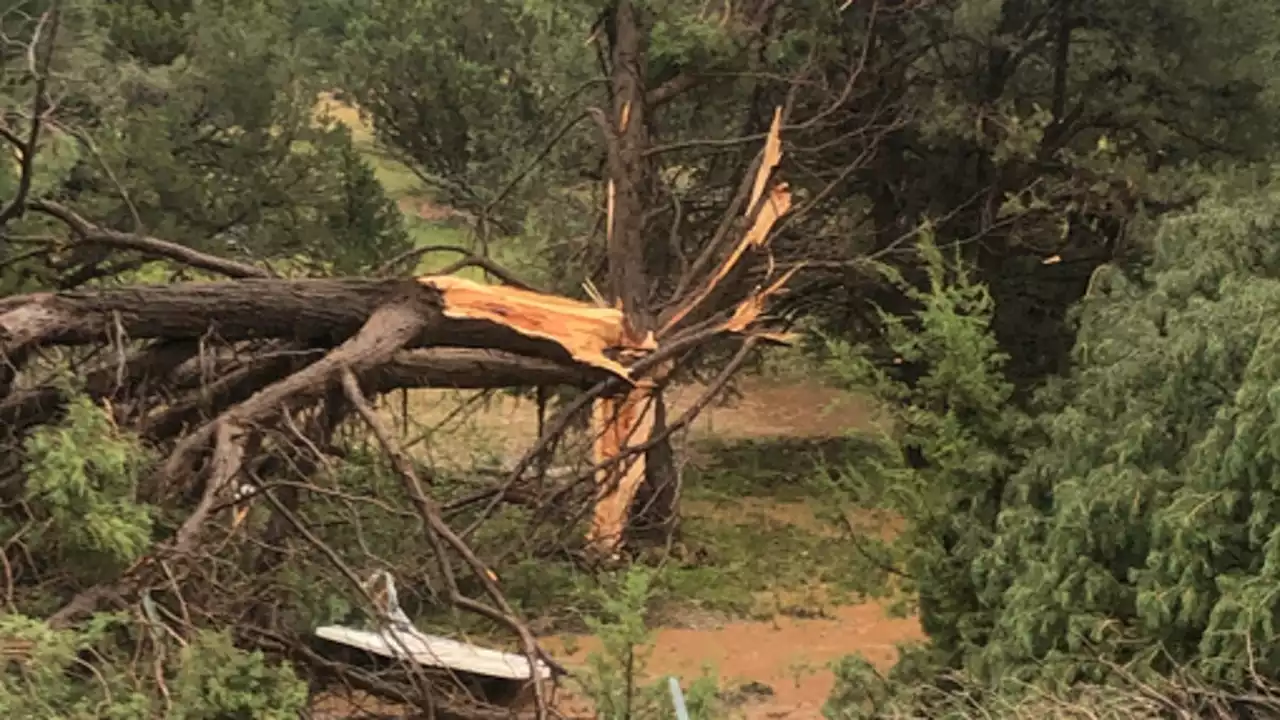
(756, 236)
(619, 423)
(599, 336)
(585, 331)
(628, 421)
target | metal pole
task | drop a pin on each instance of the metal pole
(677, 698)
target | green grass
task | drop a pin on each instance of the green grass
(397, 180)
(763, 535)
(401, 184)
(743, 564)
(787, 469)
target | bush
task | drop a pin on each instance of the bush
(1126, 517)
(87, 673)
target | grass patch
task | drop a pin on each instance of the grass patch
(403, 186)
(754, 546)
(745, 561)
(398, 181)
(790, 469)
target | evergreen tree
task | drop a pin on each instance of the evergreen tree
(1129, 521)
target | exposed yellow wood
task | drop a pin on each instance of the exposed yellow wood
(772, 156)
(627, 421)
(584, 330)
(619, 423)
(778, 203)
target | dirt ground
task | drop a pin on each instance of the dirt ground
(788, 655)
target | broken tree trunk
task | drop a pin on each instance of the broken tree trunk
(556, 337)
(629, 420)
(639, 418)
(341, 329)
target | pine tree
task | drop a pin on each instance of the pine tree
(1130, 519)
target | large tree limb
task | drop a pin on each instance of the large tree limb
(318, 313)
(386, 331)
(453, 368)
(92, 234)
(394, 314)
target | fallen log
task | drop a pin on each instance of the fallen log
(318, 313)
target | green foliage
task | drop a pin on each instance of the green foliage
(193, 121)
(956, 438)
(84, 673)
(467, 93)
(53, 681)
(615, 679)
(1129, 522)
(1071, 119)
(82, 478)
(1159, 465)
(217, 681)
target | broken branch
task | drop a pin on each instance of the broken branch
(440, 535)
(92, 234)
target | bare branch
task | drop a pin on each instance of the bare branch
(89, 233)
(441, 535)
(29, 148)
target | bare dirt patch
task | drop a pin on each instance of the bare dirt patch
(344, 113)
(787, 655)
(426, 210)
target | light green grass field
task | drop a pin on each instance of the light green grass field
(410, 193)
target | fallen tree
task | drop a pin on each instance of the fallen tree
(249, 389)
(208, 371)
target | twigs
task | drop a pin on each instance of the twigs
(386, 331)
(46, 31)
(92, 234)
(442, 538)
(469, 259)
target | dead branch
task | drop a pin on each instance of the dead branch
(316, 313)
(386, 331)
(469, 259)
(441, 535)
(39, 69)
(91, 234)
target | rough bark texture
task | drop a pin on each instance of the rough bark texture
(632, 263)
(315, 313)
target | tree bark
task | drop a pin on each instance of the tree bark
(631, 263)
(308, 313)
(655, 512)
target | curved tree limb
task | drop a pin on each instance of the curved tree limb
(386, 331)
(90, 233)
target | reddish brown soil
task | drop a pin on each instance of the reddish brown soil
(788, 655)
(426, 209)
